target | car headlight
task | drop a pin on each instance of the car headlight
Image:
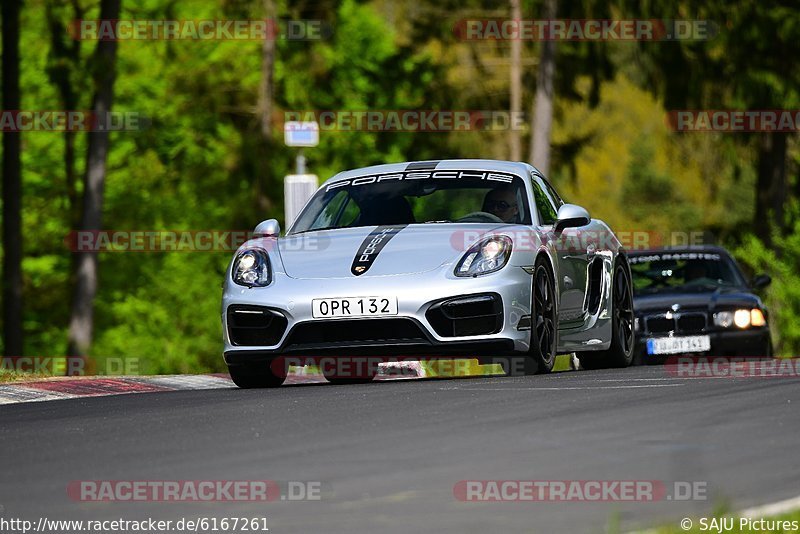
(723, 319)
(741, 318)
(251, 268)
(757, 317)
(484, 257)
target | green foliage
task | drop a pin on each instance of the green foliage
(650, 194)
(783, 295)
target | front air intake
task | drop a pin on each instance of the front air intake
(255, 325)
(472, 315)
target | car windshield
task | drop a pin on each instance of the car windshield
(683, 271)
(416, 198)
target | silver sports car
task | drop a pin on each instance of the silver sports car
(455, 258)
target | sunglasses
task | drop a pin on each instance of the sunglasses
(499, 205)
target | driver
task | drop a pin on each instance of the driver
(502, 202)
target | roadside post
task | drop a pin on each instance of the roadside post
(298, 187)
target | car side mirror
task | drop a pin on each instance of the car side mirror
(268, 228)
(761, 281)
(571, 216)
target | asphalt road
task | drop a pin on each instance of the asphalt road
(389, 454)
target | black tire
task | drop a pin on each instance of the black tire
(251, 376)
(541, 356)
(544, 318)
(620, 352)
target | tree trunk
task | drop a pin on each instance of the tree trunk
(65, 57)
(266, 90)
(542, 121)
(12, 187)
(103, 67)
(771, 190)
(266, 94)
(516, 86)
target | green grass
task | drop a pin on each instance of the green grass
(20, 376)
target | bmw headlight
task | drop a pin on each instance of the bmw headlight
(251, 268)
(741, 318)
(486, 256)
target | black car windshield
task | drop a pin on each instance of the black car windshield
(683, 271)
(414, 197)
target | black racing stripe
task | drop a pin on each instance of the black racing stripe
(422, 165)
(372, 246)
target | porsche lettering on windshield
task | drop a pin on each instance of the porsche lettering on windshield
(423, 175)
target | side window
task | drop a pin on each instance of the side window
(553, 194)
(547, 212)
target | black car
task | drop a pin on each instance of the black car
(696, 300)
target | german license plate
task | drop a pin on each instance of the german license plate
(678, 345)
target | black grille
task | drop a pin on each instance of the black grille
(683, 323)
(692, 322)
(473, 315)
(255, 326)
(657, 325)
(354, 331)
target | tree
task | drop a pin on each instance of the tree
(12, 187)
(103, 67)
(516, 84)
(64, 61)
(542, 121)
(736, 68)
(267, 88)
(266, 99)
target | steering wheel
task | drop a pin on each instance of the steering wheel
(480, 216)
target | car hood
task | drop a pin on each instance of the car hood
(721, 298)
(409, 249)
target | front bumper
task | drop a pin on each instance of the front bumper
(412, 333)
(754, 342)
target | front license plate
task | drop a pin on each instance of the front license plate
(353, 307)
(678, 345)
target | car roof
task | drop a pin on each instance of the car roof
(519, 167)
